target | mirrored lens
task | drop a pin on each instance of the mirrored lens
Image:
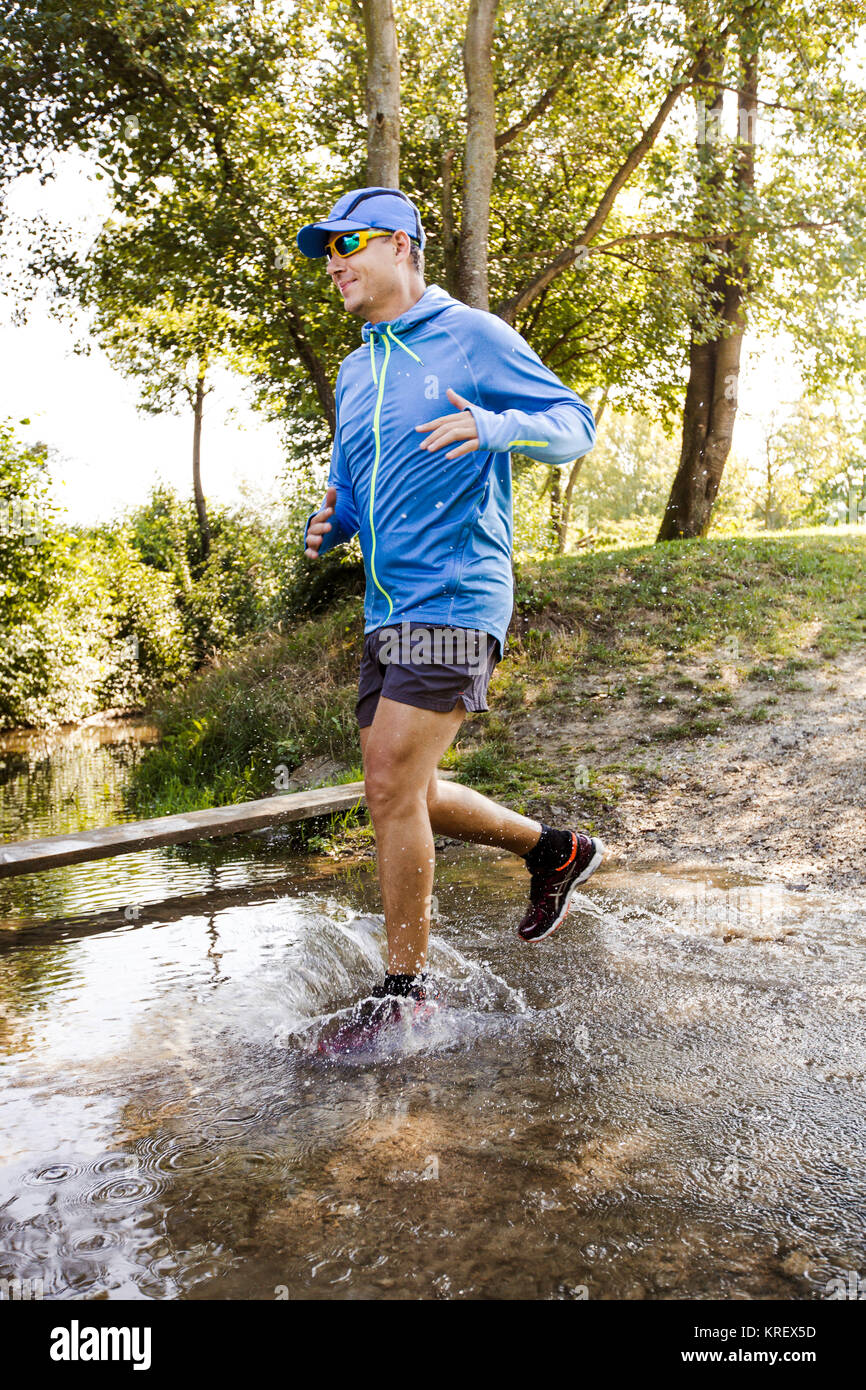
(344, 245)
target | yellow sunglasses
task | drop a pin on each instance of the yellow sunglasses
(348, 243)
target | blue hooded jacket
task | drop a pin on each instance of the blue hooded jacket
(436, 533)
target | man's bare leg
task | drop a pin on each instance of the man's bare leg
(465, 814)
(407, 802)
(401, 750)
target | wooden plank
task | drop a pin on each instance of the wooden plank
(32, 856)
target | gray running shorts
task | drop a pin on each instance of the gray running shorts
(427, 665)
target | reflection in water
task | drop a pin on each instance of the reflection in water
(665, 1100)
(58, 783)
(68, 780)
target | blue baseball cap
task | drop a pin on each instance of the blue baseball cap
(386, 209)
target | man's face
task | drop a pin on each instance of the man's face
(367, 278)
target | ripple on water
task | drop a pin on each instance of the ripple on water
(94, 1241)
(128, 1191)
(189, 1157)
(55, 1173)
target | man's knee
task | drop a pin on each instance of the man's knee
(389, 784)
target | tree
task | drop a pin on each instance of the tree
(200, 118)
(562, 499)
(211, 121)
(382, 94)
(84, 624)
(816, 461)
(229, 105)
(627, 475)
(169, 348)
(28, 578)
(480, 156)
(727, 279)
(225, 126)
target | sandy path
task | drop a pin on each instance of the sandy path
(787, 795)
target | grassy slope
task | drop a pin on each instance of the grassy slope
(646, 614)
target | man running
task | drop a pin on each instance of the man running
(428, 411)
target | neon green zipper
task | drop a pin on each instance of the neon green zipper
(376, 415)
(380, 381)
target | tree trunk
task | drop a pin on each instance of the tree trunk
(200, 506)
(480, 159)
(383, 95)
(312, 361)
(565, 506)
(556, 520)
(710, 408)
(449, 236)
(565, 511)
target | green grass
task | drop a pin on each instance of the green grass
(758, 595)
(228, 735)
(626, 620)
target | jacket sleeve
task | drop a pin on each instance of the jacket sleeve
(344, 521)
(524, 405)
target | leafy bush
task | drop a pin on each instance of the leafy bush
(28, 575)
(86, 624)
(241, 587)
(118, 614)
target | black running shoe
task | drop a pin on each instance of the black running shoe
(371, 1019)
(550, 891)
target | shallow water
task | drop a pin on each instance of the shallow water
(664, 1100)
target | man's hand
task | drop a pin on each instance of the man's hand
(449, 428)
(319, 524)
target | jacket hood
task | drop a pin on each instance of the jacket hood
(432, 302)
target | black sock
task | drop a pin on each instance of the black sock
(400, 985)
(551, 852)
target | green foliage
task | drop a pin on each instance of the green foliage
(276, 702)
(808, 469)
(115, 615)
(627, 475)
(221, 127)
(232, 593)
(312, 587)
(164, 533)
(29, 578)
(224, 126)
(85, 623)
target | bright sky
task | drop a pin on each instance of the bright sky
(109, 454)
